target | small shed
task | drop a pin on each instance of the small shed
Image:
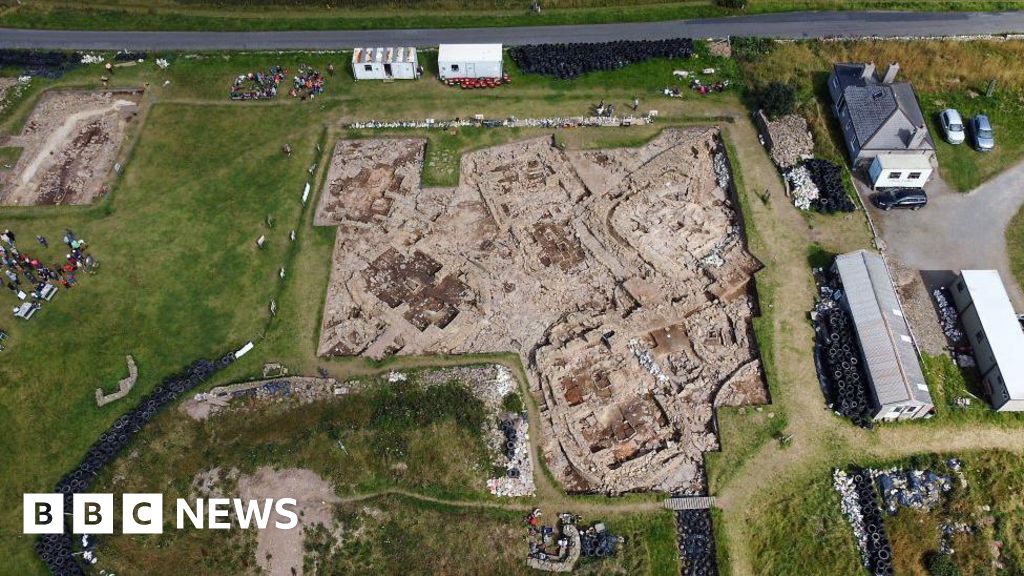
(469, 61)
(896, 383)
(896, 170)
(995, 335)
(396, 63)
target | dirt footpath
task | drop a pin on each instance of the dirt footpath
(279, 552)
(620, 276)
(70, 143)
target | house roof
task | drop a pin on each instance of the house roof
(1002, 329)
(469, 53)
(884, 116)
(882, 331)
(380, 55)
(900, 161)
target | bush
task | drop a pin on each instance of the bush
(512, 402)
(942, 565)
(777, 99)
(748, 49)
(734, 4)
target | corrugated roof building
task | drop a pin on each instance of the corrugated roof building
(897, 385)
(995, 335)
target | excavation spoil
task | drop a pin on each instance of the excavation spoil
(620, 276)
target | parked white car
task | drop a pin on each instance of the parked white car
(953, 126)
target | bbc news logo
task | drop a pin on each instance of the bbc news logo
(144, 513)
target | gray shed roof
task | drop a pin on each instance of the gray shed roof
(884, 115)
(882, 331)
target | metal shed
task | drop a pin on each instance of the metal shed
(469, 61)
(897, 385)
(396, 63)
(995, 335)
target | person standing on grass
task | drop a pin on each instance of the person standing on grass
(42, 241)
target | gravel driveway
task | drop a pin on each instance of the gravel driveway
(954, 232)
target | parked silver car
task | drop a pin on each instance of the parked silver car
(984, 138)
(952, 126)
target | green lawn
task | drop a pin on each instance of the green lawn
(311, 15)
(180, 278)
(802, 525)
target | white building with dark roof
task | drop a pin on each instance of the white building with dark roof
(896, 383)
(995, 334)
(880, 116)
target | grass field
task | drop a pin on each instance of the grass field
(310, 15)
(1015, 246)
(823, 537)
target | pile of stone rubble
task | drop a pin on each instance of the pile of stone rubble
(948, 317)
(789, 140)
(511, 122)
(802, 188)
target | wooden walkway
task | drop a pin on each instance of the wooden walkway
(690, 503)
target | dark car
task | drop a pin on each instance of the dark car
(913, 198)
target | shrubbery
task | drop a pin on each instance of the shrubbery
(777, 99)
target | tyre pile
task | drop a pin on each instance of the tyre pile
(56, 550)
(841, 364)
(828, 178)
(696, 543)
(48, 64)
(860, 505)
(567, 61)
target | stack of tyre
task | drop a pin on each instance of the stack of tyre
(598, 544)
(49, 64)
(828, 178)
(568, 61)
(56, 549)
(843, 368)
(696, 543)
(127, 56)
(879, 550)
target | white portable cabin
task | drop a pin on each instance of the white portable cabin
(469, 61)
(900, 170)
(995, 334)
(397, 63)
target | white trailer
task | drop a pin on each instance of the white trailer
(469, 61)
(896, 170)
(397, 63)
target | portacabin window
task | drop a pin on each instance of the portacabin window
(455, 67)
(368, 67)
(895, 174)
(914, 175)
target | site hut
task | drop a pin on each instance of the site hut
(895, 170)
(469, 61)
(385, 63)
(995, 335)
(896, 383)
(880, 116)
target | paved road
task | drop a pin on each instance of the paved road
(958, 231)
(786, 25)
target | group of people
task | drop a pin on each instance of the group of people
(307, 83)
(28, 279)
(258, 85)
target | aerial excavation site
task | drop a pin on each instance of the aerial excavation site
(672, 288)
